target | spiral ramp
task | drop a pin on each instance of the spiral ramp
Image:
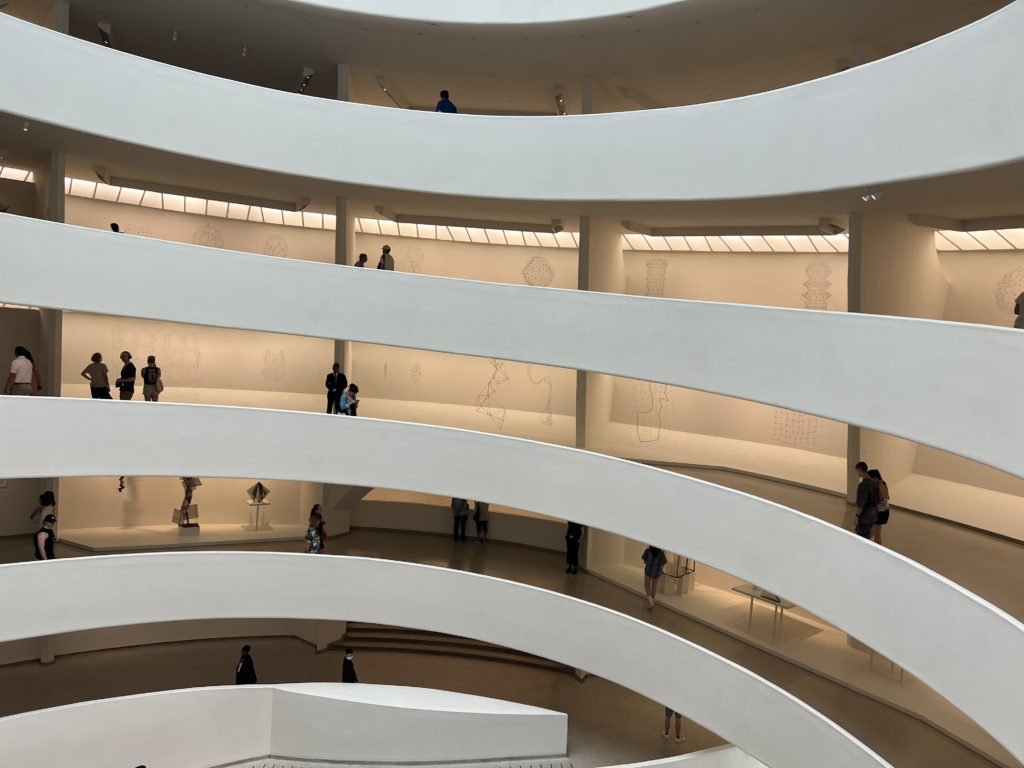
(966, 649)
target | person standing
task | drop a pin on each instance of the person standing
(883, 506)
(460, 513)
(669, 712)
(445, 104)
(313, 543)
(362, 260)
(481, 516)
(1018, 321)
(45, 537)
(245, 670)
(125, 383)
(335, 383)
(348, 668)
(47, 506)
(654, 564)
(152, 383)
(322, 528)
(867, 501)
(387, 261)
(23, 378)
(96, 374)
(574, 533)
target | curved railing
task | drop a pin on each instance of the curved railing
(844, 131)
(938, 631)
(491, 12)
(87, 593)
(805, 360)
(226, 725)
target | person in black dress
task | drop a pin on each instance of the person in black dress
(245, 670)
(348, 668)
(573, 537)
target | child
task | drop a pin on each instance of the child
(349, 403)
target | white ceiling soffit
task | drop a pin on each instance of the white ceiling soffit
(491, 11)
(945, 240)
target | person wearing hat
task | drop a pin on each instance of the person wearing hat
(387, 261)
(45, 538)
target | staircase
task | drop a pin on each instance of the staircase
(376, 637)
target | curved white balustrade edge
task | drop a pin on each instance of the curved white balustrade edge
(946, 636)
(801, 139)
(498, 13)
(739, 706)
(805, 360)
(230, 724)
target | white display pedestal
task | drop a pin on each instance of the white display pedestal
(257, 527)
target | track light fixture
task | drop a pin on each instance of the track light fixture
(106, 34)
(304, 78)
(556, 226)
(24, 126)
(102, 174)
(559, 101)
(870, 195)
(245, 49)
(174, 35)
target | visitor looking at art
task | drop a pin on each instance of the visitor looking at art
(23, 378)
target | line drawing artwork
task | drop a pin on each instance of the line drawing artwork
(656, 270)
(273, 364)
(546, 417)
(412, 261)
(385, 371)
(275, 245)
(538, 271)
(177, 354)
(649, 400)
(1008, 288)
(139, 230)
(416, 373)
(486, 402)
(816, 293)
(208, 236)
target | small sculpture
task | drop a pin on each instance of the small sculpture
(258, 493)
(188, 515)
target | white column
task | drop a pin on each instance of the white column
(344, 253)
(894, 269)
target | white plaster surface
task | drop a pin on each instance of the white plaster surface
(941, 633)
(123, 589)
(735, 350)
(800, 139)
(225, 724)
(719, 757)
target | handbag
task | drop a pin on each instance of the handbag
(159, 385)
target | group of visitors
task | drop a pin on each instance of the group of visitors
(385, 262)
(44, 539)
(245, 669)
(316, 534)
(341, 396)
(872, 503)
(98, 376)
(460, 514)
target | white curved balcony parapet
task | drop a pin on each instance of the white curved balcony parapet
(736, 350)
(855, 128)
(226, 725)
(757, 716)
(946, 636)
(496, 12)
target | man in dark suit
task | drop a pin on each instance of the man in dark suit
(348, 668)
(245, 671)
(336, 384)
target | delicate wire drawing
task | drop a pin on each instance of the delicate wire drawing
(415, 374)
(546, 417)
(486, 402)
(413, 259)
(656, 272)
(1009, 287)
(538, 271)
(275, 245)
(273, 364)
(648, 419)
(817, 285)
(209, 236)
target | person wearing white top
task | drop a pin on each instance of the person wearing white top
(23, 379)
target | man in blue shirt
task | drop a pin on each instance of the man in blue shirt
(445, 104)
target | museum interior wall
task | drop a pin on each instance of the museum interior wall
(631, 418)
